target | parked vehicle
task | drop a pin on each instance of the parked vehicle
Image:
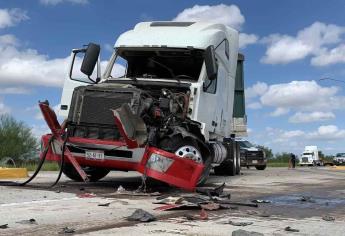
(173, 113)
(339, 159)
(251, 155)
(310, 156)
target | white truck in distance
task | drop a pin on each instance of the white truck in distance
(310, 156)
(182, 92)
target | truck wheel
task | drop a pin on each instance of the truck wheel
(260, 167)
(188, 148)
(228, 166)
(93, 173)
(238, 159)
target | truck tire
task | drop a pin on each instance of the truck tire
(93, 173)
(260, 167)
(227, 167)
(188, 147)
(238, 159)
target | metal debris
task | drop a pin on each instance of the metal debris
(241, 232)
(122, 191)
(67, 230)
(30, 222)
(289, 229)
(4, 226)
(261, 201)
(104, 204)
(238, 223)
(307, 199)
(217, 191)
(141, 215)
(328, 218)
(169, 200)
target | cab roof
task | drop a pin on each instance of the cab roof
(177, 34)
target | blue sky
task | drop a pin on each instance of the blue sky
(289, 46)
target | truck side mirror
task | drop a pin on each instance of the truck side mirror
(90, 59)
(211, 63)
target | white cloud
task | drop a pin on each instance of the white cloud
(39, 130)
(226, 14)
(279, 111)
(303, 95)
(247, 39)
(310, 41)
(327, 132)
(255, 90)
(55, 2)
(305, 117)
(15, 90)
(328, 57)
(4, 109)
(11, 17)
(254, 105)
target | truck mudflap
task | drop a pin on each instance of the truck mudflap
(154, 162)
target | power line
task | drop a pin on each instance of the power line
(338, 80)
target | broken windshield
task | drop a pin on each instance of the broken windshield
(160, 63)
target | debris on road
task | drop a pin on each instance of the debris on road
(328, 218)
(86, 195)
(307, 199)
(104, 204)
(203, 215)
(264, 214)
(211, 206)
(261, 201)
(4, 226)
(215, 192)
(141, 215)
(67, 230)
(241, 232)
(30, 222)
(122, 191)
(239, 223)
(289, 229)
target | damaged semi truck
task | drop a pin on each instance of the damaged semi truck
(172, 114)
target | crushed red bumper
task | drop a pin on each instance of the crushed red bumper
(153, 162)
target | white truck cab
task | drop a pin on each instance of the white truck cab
(310, 156)
(181, 90)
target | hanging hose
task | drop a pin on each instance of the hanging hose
(62, 162)
(40, 164)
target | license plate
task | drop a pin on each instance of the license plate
(94, 155)
(254, 161)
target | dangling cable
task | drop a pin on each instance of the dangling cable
(62, 161)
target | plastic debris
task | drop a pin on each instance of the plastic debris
(141, 215)
(4, 226)
(307, 199)
(86, 195)
(67, 230)
(203, 215)
(210, 206)
(328, 218)
(238, 223)
(241, 232)
(30, 222)
(289, 229)
(261, 201)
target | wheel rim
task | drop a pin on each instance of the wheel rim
(189, 152)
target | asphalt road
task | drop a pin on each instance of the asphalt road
(76, 205)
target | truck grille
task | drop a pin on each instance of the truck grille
(254, 155)
(90, 113)
(304, 159)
